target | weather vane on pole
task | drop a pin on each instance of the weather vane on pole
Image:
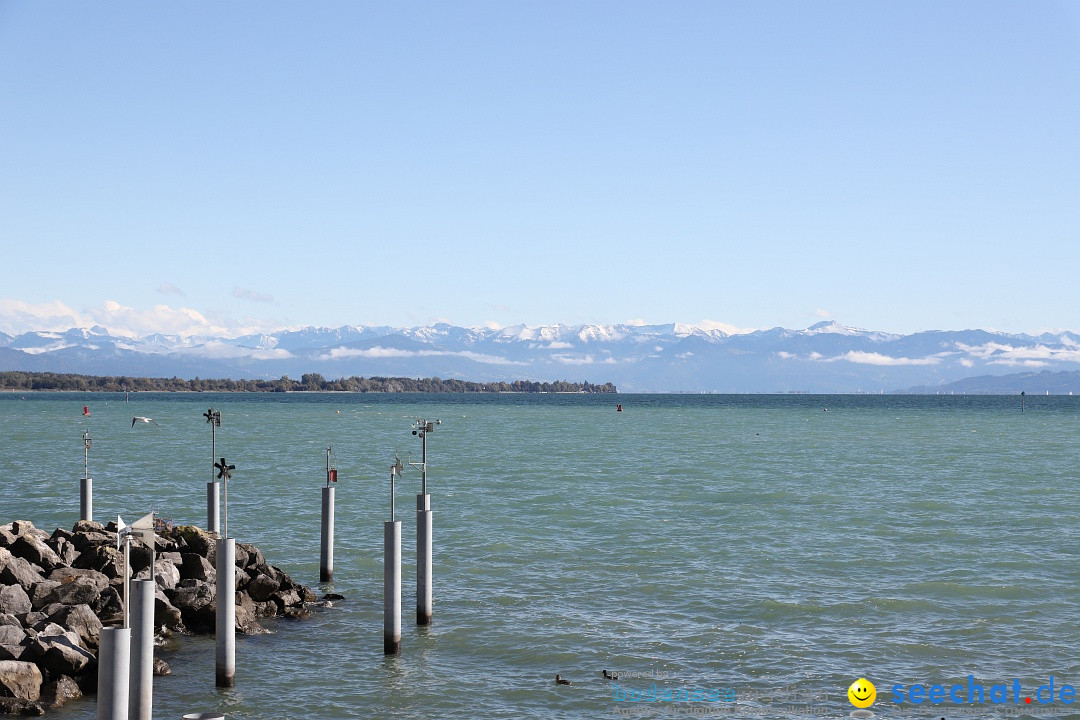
(224, 473)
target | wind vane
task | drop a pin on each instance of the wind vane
(224, 473)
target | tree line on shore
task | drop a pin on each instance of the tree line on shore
(16, 380)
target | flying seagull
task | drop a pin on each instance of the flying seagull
(140, 418)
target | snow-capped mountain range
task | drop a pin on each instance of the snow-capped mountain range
(827, 357)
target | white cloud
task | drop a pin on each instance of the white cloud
(169, 289)
(343, 353)
(224, 351)
(726, 328)
(581, 360)
(863, 358)
(492, 325)
(1001, 354)
(558, 345)
(868, 358)
(17, 316)
(252, 295)
(823, 314)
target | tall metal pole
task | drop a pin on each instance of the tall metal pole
(142, 650)
(225, 618)
(326, 540)
(86, 484)
(392, 573)
(114, 657)
(423, 530)
(213, 488)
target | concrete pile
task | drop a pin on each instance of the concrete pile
(57, 591)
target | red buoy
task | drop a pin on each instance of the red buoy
(85, 410)
(618, 408)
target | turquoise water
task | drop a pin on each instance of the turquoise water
(754, 544)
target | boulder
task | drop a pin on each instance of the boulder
(91, 539)
(195, 601)
(25, 527)
(141, 557)
(14, 652)
(254, 555)
(11, 635)
(20, 680)
(166, 614)
(286, 599)
(245, 616)
(261, 587)
(33, 549)
(59, 652)
(12, 642)
(14, 600)
(63, 548)
(109, 607)
(196, 567)
(198, 540)
(58, 692)
(76, 589)
(106, 559)
(6, 536)
(166, 574)
(161, 668)
(40, 592)
(17, 571)
(81, 620)
(31, 619)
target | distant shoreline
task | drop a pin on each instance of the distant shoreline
(16, 381)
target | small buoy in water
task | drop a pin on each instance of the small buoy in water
(337, 412)
(618, 408)
(85, 410)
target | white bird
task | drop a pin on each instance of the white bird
(139, 418)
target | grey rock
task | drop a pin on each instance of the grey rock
(58, 692)
(81, 620)
(261, 587)
(25, 527)
(286, 599)
(17, 571)
(40, 591)
(84, 541)
(166, 574)
(106, 559)
(20, 680)
(33, 549)
(11, 635)
(109, 607)
(166, 614)
(59, 652)
(14, 600)
(77, 590)
(196, 567)
(200, 541)
(255, 557)
(31, 619)
(161, 668)
(13, 652)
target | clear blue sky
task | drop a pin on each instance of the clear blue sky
(252, 165)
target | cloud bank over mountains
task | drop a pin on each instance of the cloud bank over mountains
(637, 357)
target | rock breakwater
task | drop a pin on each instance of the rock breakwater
(58, 590)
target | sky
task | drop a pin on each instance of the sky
(225, 168)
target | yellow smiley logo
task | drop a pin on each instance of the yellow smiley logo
(862, 693)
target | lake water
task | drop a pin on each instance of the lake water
(768, 548)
